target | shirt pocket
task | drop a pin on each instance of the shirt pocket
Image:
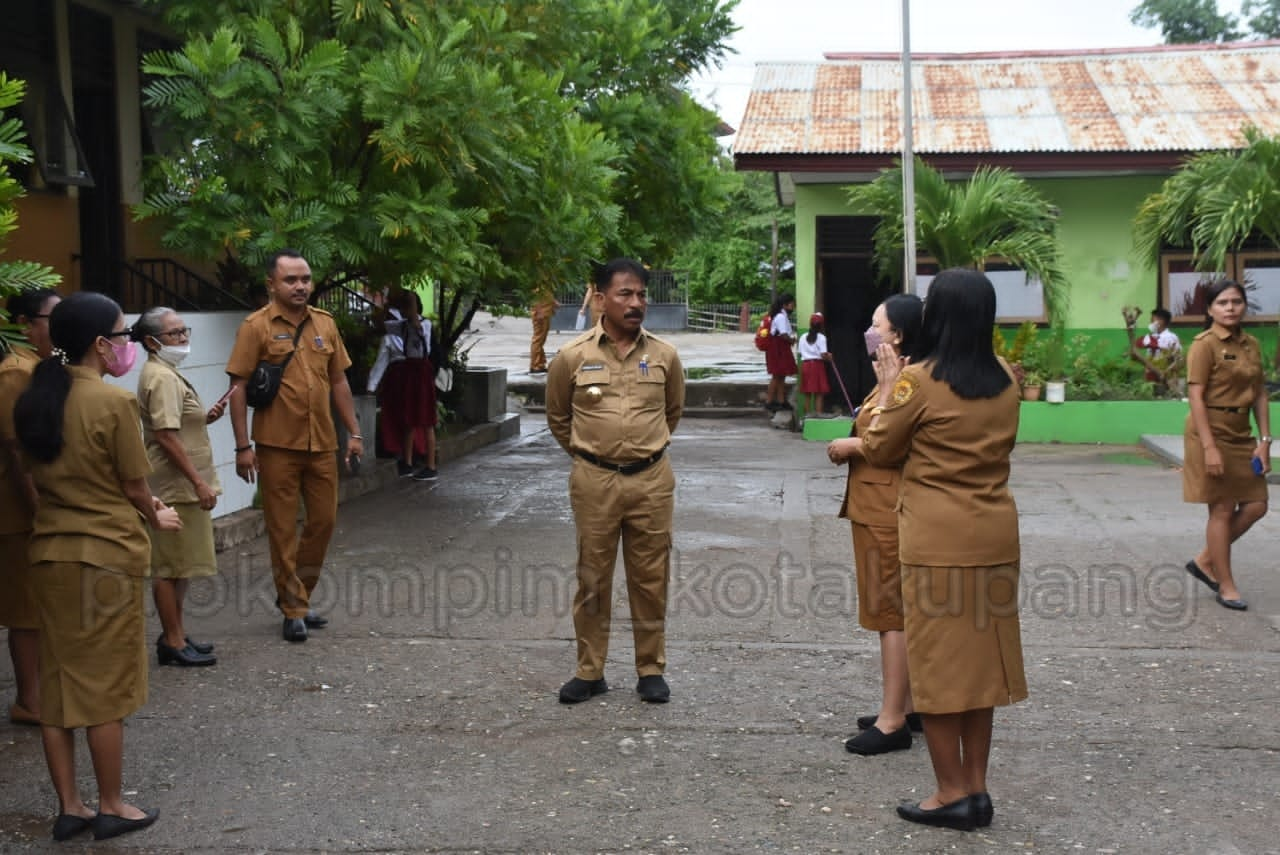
(594, 391)
(651, 387)
(873, 475)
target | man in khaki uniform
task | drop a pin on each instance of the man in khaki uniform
(543, 309)
(295, 434)
(614, 394)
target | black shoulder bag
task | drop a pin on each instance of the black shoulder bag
(264, 384)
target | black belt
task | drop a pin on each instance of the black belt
(1228, 409)
(623, 468)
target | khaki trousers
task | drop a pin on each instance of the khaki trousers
(286, 476)
(537, 346)
(636, 509)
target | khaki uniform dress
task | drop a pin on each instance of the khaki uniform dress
(168, 402)
(958, 540)
(870, 504)
(1229, 367)
(90, 554)
(296, 444)
(17, 598)
(610, 411)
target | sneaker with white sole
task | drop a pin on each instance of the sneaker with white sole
(426, 473)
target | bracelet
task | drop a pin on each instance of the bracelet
(1264, 439)
(248, 447)
(356, 436)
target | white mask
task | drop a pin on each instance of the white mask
(173, 354)
(1154, 328)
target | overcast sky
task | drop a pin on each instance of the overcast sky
(802, 30)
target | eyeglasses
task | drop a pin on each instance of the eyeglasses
(124, 332)
(38, 316)
(180, 332)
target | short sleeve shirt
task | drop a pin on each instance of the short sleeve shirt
(84, 515)
(15, 374)
(1228, 365)
(168, 402)
(780, 325)
(300, 418)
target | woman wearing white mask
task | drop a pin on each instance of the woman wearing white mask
(174, 425)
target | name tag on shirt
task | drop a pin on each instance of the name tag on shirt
(284, 336)
(597, 366)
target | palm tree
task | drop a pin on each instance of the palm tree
(1216, 201)
(995, 214)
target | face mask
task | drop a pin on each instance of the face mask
(874, 340)
(122, 358)
(173, 354)
(1154, 328)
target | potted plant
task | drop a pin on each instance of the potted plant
(1032, 385)
(1055, 367)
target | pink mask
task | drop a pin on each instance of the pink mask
(122, 358)
(874, 340)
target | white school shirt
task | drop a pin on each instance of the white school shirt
(781, 324)
(815, 350)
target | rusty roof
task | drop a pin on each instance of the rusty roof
(1163, 99)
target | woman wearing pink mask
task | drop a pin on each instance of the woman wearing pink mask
(90, 553)
(870, 498)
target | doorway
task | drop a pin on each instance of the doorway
(848, 292)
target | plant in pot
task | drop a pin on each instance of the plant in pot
(1055, 367)
(1032, 385)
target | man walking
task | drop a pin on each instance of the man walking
(614, 394)
(295, 436)
(544, 308)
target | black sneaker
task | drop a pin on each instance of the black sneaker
(403, 470)
(578, 690)
(653, 689)
(426, 473)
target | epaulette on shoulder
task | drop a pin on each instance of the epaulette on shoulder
(320, 311)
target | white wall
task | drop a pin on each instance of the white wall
(211, 340)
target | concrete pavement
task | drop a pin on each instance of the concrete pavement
(424, 719)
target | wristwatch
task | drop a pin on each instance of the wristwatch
(1264, 439)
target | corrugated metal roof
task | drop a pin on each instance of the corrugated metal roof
(1166, 99)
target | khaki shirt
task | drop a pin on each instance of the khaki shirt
(1228, 366)
(168, 402)
(871, 493)
(300, 417)
(84, 515)
(620, 410)
(955, 509)
(15, 373)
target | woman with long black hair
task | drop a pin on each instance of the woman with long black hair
(90, 553)
(951, 419)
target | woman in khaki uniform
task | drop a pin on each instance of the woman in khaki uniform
(870, 502)
(951, 421)
(90, 554)
(174, 426)
(29, 310)
(1225, 383)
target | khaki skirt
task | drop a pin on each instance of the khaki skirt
(964, 644)
(93, 657)
(1238, 483)
(185, 554)
(17, 595)
(875, 558)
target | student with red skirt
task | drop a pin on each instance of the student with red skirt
(813, 367)
(406, 377)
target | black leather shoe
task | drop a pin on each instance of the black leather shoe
(958, 815)
(578, 690)
(106, 825)
(68, 825)
(653, 689)
(875, 741)
(295, 629)
(1234, 605)
(1194, 569)
(913, 721)
(197, 646)
(315, 621)
(982, 809)
(185, 656)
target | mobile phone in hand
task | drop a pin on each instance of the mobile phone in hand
(1257, 466)
(226, 396)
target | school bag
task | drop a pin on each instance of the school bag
(762, 334)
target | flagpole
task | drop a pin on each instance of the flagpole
(908, 161)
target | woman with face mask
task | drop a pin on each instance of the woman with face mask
(89, 552)
(870, 496)
(182, 475)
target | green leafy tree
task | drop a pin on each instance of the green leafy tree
(995, 214)
(493, 147)
(1263, 17)
(1215, 202)
(730, 259)
(15, 275)
(1186, 21)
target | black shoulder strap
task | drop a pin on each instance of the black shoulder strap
(296, 338)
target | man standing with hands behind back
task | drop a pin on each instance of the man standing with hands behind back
(295, 435)
(614, 394)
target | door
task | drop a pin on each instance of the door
(848, 293)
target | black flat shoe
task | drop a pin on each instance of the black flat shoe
(1194, 569)
(653, 689)
(958, 815)
(68, 825)
(982, 809)
(913, 721)
(295, 629)
(578, 690)
(874, 741)
(197, 646)
(184, 657)
(1234, 605)
(107, 825)
(315, 621)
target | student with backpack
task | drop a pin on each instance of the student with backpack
(779, 359)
